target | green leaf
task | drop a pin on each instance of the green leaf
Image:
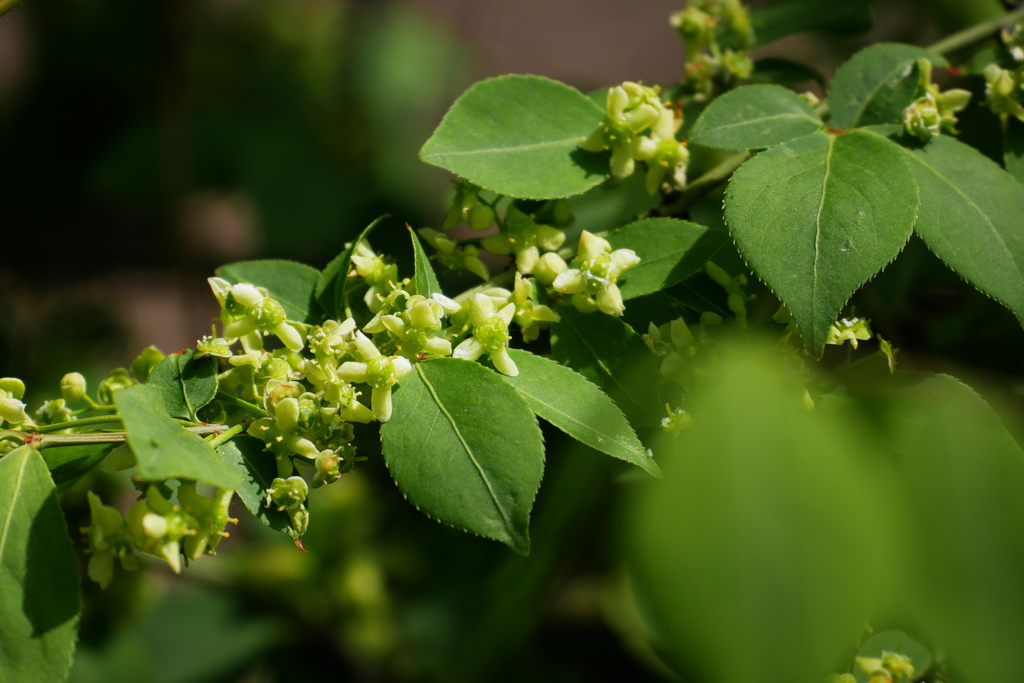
(670, 251)
(579, 408)
(163, 448)
(817, 217)
(425, 280)
(967, 562)
(755, 116)
(519, 136)
(746, 549)
(330, 284)
(784, 72)
(257, 468)
(898, 642)
(970, 215)
(610, 205)
(291, 283)
(69, 463)
(465, 449)
(1013, 148)
(188, 382)
(39, 597)
(845, 17)
(610, 354)
(877, 84)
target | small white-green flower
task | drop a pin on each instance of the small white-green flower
(490, 334)
(593, 284)
(530, 316)
(379, 371)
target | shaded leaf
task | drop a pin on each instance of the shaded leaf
(968, 551)
(846, 17)
(291, 283)
(425, 280)
(330, 284)
(817, 217)
(670, 251)
(578, 407)
(746, 548)
(69, 463)
(163, 448)
(970, 215)
(754, 116)
(188, 382)
(610, 354)
(465, 449)
(257, 468)
(1013, 148)
(519, 136)
(877, 84)
(39, 596)
(784, 72)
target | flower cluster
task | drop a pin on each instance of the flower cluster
(718, 36)
(630, 110)
(934, 112)
(592, 282)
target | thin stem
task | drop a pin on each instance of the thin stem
(49, 440)
(218, 439)
(84, 422)
(973, 34)
(235, 401)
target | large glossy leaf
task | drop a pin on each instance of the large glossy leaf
(670, 251)
(330, 284)
(876, 84)
(257, 468)
(755, 116)
(39, 598)
(610, 354)
(519, 136)
(69, 463)
(465, 449)
(425, 280)
(781, 19)
(291, 283)
(163, 448)
(963, 474)
(817, 217)
(745, 549)
(188, 382)
(970, 215)
(578, 407)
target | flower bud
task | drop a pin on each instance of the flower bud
(116, 380)
(13, 386)
(480, 217)
(145, 362)
(287, 494)
(12, 410)
(73, 387)
(266, 313)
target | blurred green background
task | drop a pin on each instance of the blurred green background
(142, 144)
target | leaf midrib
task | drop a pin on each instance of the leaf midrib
(465, 446)
(576, 139)
(614, 439)
(817, 227)
(10, 510)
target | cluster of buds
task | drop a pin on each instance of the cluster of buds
(632, 109)
(490, 334)
(736, 298)
(12, 410)
(467, 207)
(718, 36)
(934, 112)
(524, 238)
(890, 667)
(853, 330)
(155, 526)
(247, 312)
(454, 257)
(679, 351)
(289, 496)
(1003, 90)
(592, 280)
